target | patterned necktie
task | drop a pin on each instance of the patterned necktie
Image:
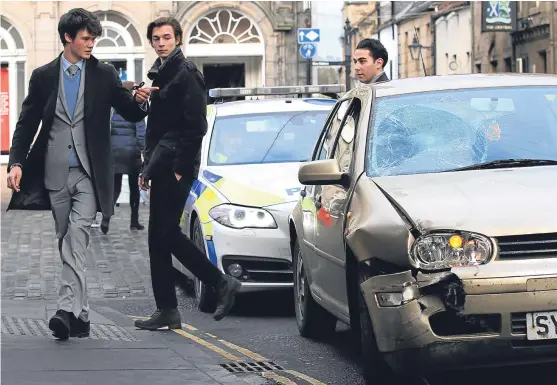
(72, 70)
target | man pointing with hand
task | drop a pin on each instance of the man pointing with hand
(70, 166)
(175, 129)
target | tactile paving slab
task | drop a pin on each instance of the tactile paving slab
(39, 328)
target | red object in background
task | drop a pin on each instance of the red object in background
(5, 110)
(324, 216)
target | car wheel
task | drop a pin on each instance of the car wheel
(313, 321)
(376, 371)
(205, 297)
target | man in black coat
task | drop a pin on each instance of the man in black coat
(370, 59)
(176, 126)
(70, 168)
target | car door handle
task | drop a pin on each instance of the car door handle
(318, 202)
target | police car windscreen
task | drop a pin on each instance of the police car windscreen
(276, 137)
(447, 130)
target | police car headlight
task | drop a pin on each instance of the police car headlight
(240, 217)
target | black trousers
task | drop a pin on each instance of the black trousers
(167, 202)
(134, 191)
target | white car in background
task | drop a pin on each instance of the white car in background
(238, 207)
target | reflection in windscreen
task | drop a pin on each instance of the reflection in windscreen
(440, 131)
(265, 138)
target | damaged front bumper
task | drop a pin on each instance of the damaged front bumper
(440, 321)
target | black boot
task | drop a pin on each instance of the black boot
(162, 319)
(226, 293)
(79, 328)
(60, 324)
(134, 224)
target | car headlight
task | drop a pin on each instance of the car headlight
(239, 217)
(444, 250)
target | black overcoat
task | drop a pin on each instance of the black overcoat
(103, 90)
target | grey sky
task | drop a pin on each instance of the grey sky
(327, 16)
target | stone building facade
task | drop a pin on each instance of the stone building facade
(234, 43)
(529, 48)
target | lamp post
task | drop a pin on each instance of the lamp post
(348, 31)
(415, 49)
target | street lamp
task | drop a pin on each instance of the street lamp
(348, 31)
(416, 48)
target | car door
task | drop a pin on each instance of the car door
(322, 212)
(309, 210)
(329, 228)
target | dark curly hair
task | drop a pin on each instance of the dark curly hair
(76, 20)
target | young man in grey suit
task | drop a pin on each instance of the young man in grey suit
(70, 168)
(370, 59)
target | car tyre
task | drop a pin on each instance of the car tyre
(313, 321)
(205, 297)
(376, 371)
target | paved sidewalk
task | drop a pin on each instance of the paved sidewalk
(115, 353)
(117, 263)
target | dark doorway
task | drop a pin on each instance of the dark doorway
(224, 76)
(121, 67)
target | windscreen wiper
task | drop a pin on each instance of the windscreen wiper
(504, 163)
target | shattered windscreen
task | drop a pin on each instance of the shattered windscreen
(444, 130)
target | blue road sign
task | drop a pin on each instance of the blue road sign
(308, 50)
(308, 35)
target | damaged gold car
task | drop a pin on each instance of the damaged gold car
(428, 223)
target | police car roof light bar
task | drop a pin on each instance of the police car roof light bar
(279, 90)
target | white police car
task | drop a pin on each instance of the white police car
(237, 210)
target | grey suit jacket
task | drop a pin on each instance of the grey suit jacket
(66, 134)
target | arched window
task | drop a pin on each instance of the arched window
(224, 27)
(10, 39)
(12, 81)
(120, 44)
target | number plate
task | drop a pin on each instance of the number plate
(541, 326)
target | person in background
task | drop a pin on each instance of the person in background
(128, 145)
(370, 59)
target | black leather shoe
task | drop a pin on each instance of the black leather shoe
(136, 226)
(226, 292)
(60, 324)
(104, 225)
(162, 319)
(79, 328)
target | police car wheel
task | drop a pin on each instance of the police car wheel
(205, 296)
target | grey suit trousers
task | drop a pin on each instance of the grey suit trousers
(74, 208)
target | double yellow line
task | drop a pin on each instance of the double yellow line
(235, 358)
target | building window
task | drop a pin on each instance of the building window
(224, 27)
(493, 66)
(508, 64)
(543, 59)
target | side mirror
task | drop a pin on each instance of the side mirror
(322, 172)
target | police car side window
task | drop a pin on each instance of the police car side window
(332, 129)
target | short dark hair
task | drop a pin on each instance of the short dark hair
(165, 21)
(76, 20)
(376, 49)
